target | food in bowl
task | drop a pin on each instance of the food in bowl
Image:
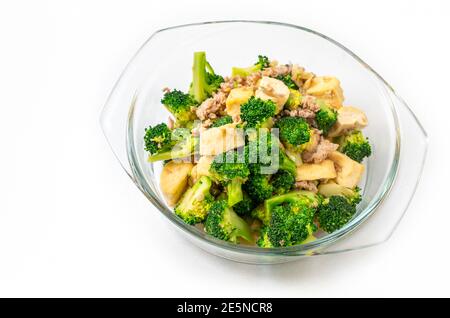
(267, 156)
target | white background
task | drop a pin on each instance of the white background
(73, 224)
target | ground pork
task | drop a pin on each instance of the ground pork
(300, 112)
(309, 102)
(275, 69)
(212, 107)
(306, 185)
(320, 153)
(300, 77)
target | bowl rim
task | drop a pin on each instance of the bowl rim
(301, 249)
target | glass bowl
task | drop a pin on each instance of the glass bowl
(399, 141)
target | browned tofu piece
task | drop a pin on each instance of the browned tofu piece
(316, 171)
(174, 179)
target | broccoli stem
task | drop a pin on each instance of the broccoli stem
(241, 228)
(199, 76)
(179, 151)
(234, 190)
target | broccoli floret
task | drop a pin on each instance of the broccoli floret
(262, 63)
(222, 121)
(282, 182)
(288, 219)
(227, 169)
(182, 145)
(258, 113)
(335, 212)
(195, 202)
(245, 206)
(223, 223)
(258, 156)
(258, 187)
(204, 80)
(180, 105)
(355, 145)
(294, 132)
(288, 81)
(164, 144)
(326, 117)
(330, 189)
(294, 99)
(158, 138)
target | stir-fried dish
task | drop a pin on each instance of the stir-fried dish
(267, 156)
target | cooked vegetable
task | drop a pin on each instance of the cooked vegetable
(257, 113)
(196, 202)
(158, 138)
(288, 81)
(182, 145)
(180, 105)
(222, 121)
(294, 99)
(355, 145)
(229, 171)
(223, 223)
(262, 63)
(294, 132)
(282, 182)
(335, 212)
(288, 219)
(326, 117)
(204, 80)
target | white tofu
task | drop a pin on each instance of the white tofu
(174, 179)
(349, 171)
(316, 171)
(348, 118)
(217, 140)
(273, 89)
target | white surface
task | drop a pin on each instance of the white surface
(73, 224)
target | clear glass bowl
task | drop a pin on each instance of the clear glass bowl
(399, 141)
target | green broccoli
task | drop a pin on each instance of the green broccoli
(263, 62)
(245, 206)
(294, 132)
(326, 117)
(204, 80)
(282, 182)
(338, 207)
(355, 145)
(294, 99)
(288, 219)
(195, 202)
(182, 145)
(330, 189)
(223, 223)
(222, 121)
(335, 212)
(258, 113)
(180, 105)
(260, 157)
(258, 187)
(288, 81)
(227, 169)
(158, 138)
